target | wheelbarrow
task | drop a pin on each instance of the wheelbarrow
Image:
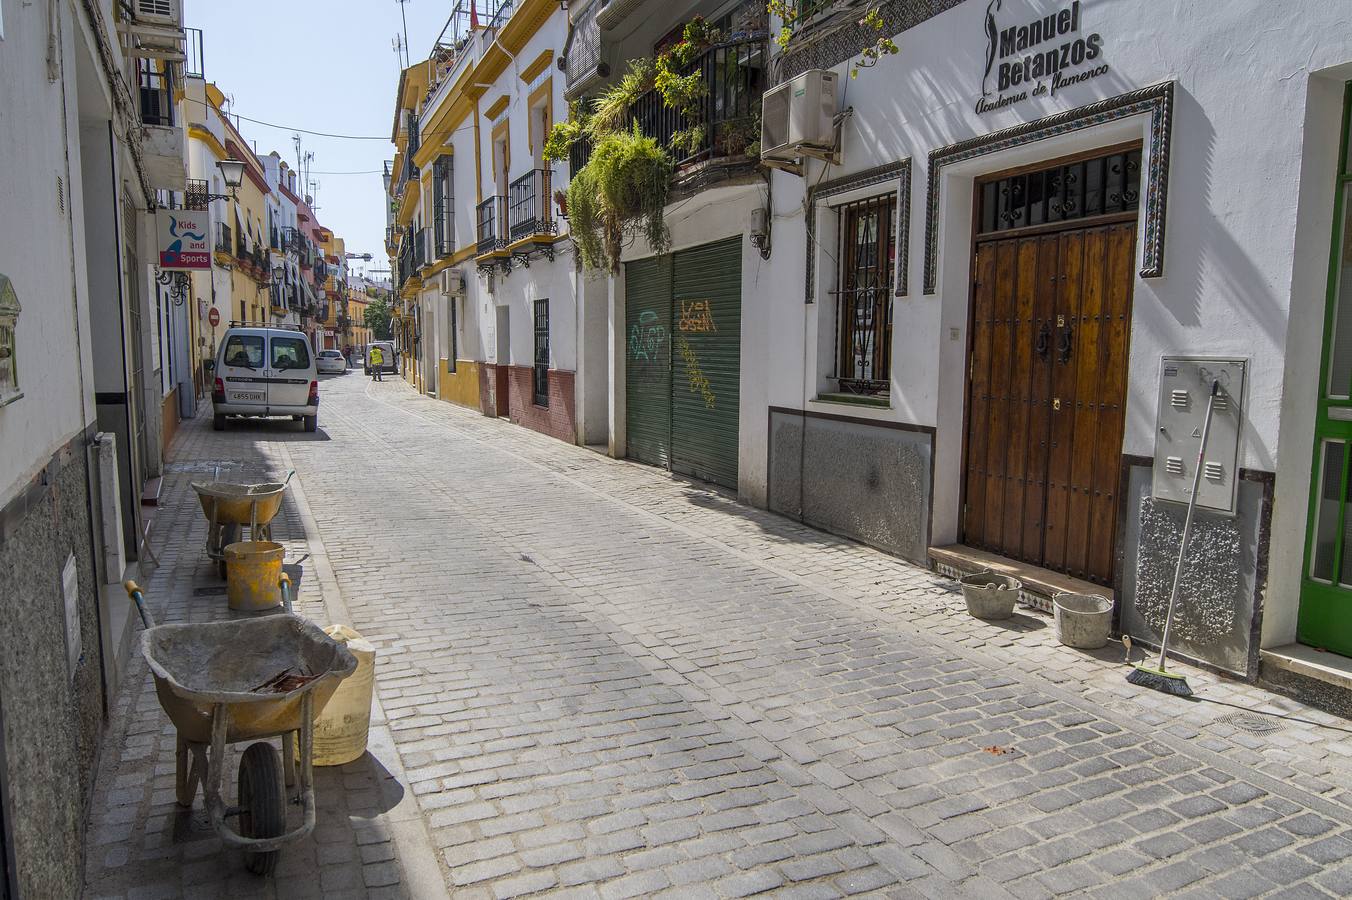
(245, 680)
(229, 507)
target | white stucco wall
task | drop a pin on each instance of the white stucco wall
(41, 245)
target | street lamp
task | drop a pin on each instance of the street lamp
(232, 171)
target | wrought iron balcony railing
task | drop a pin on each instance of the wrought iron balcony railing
(492, 234)
(726, 121)
(530, 205)
(419, 248)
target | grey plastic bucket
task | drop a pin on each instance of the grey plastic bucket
(990, 596)
(1083, 621)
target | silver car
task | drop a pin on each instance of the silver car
(331, 362)
(265, 370)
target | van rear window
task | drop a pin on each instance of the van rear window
(290, 353)
(244, 350)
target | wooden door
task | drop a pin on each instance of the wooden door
(1051, 315)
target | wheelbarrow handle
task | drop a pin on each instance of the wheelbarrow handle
(134, 592)
(285, 584)
(287, 480)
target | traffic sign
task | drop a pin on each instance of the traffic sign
(214, 317)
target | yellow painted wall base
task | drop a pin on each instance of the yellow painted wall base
(460, 387)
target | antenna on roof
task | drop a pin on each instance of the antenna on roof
(404, 18)
(400, 51)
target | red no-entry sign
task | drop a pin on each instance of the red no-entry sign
(214, 317)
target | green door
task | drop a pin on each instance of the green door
(647, 359)
(706, 337)
(1326, 589)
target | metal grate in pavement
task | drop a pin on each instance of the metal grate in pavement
(1250, 722)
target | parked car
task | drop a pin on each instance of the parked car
(330, 362)
(391, 361)
(265, 370)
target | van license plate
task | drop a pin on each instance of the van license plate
(248, 395)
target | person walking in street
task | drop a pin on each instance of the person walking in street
(377, 363)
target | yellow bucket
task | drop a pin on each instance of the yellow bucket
(253, 570)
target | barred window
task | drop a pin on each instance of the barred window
(867, 258)
(540, 375)
(443, 207)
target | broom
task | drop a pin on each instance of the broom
(1157, 677)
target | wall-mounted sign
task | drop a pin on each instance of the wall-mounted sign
(1037, 56)
(183, 239)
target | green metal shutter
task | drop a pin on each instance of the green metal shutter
(706, 330)
(647, 356)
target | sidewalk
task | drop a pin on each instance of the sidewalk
(369, 839)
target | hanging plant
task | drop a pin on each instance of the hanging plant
(612, 107)
(622, 190)
(568, 132)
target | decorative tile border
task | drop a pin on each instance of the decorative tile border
(900, 170)
(1157, 100)
(828, 42)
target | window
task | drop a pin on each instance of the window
(244, 350)
(290, 353)
(541, 373)
(443, 207)
(864, 295)
(1095, 187)
(157, 100)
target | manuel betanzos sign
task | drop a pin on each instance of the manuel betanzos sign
(1036, 56)
(182, 239)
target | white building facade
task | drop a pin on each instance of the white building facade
(1047, 219)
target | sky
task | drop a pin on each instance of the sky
(321, 65)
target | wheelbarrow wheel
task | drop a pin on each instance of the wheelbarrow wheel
(262, 803)
(230, 534)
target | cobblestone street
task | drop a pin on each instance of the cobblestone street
(598, 680)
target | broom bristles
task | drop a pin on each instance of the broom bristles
(1159, 680)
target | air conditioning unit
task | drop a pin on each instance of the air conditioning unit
(453, 282)
(798, 117)
(159, 12)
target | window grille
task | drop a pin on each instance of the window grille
(1079, 190)
(867, 257)
(540, 375)
(443, 207)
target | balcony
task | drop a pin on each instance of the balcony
(530, 205)
(729, 113)
(492, 234)
(162, 140)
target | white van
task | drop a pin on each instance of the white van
(265, 370)
(391, 362)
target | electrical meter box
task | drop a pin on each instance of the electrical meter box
(1185, 387)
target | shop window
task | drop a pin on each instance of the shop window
(540, 374)
(867, 256)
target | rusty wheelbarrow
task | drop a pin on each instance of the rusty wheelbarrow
(245, 680)
(229, 507)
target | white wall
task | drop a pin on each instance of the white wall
(41, 245)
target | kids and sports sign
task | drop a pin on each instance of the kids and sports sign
(182, 239)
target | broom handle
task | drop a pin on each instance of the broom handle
(1187, 522)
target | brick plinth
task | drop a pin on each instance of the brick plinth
(558, 419)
